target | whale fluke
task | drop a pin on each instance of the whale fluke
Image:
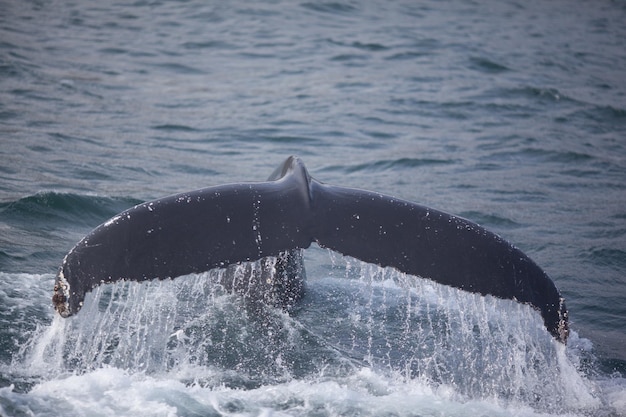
(224, 225)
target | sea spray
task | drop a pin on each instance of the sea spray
(356, 320)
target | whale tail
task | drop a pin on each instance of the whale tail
(228, 224)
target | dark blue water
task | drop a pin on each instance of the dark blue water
(511, 114)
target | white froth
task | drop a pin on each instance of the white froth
(114, 392)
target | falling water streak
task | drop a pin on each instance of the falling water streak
(385, 319)
(480, 347)
(370, 321)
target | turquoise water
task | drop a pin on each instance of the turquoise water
(510, 114)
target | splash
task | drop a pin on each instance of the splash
(359, 327)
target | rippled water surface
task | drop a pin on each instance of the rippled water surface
(511, 114)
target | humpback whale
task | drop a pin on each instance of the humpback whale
(225, 225)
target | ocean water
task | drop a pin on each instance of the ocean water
(511, 114)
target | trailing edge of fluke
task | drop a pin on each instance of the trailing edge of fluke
(228, 224)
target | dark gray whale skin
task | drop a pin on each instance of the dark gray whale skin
(224, 225)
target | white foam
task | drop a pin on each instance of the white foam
(114, 392)
(615, 391)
